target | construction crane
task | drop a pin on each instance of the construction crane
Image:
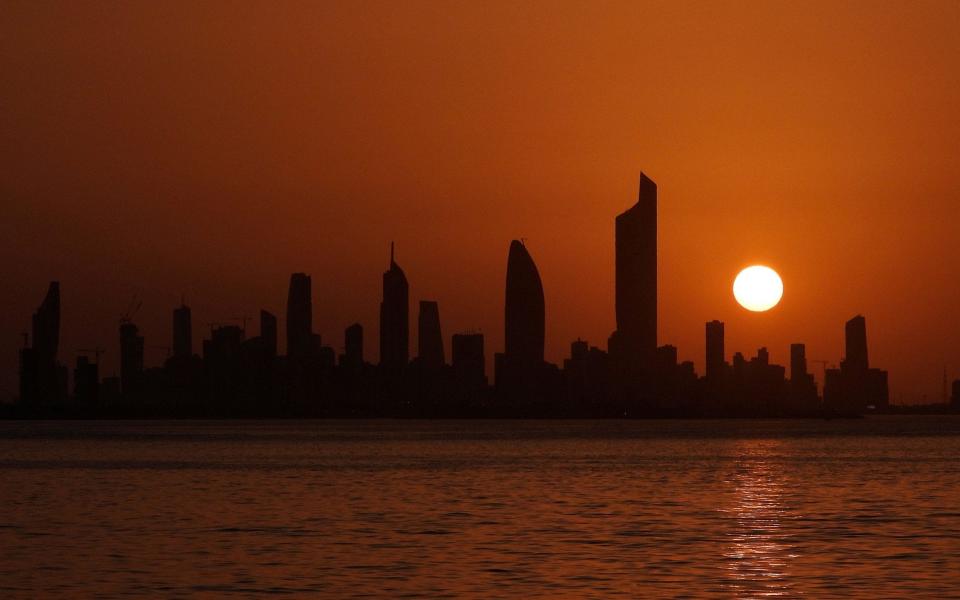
(131, 311)
(96, 352)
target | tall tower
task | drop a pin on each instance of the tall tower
(182, 332)
(299, 316)
(716, 356)
(636, 275)
(394, 318)
(798, 363)
(524, 314)
(131, 359)
(856, 333)
(46, 325)
(429, 338)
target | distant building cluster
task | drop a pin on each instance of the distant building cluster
(236, 375)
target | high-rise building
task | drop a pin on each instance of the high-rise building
(394, 318)
(855, 387)
(46, 325)
(798, 363)
(268, 332)
(856, 334)
(131, 359)
(300, 338)
(636, 277)
(429, 340)
(524, 314)
(182, 332)
(716, 357)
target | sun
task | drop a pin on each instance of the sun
(758, 288)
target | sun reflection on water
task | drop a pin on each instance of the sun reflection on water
(758, 553)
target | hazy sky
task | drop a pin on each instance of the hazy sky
(211, 149)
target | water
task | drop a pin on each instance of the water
(349, 509)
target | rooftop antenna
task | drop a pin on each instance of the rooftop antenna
(391, 253)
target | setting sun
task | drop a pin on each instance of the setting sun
(758, 288)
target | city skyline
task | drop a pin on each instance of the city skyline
(238, 374)
(827, 153)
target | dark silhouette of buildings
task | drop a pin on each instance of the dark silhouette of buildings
(521, 376)
(268, 333)
(352, 357)
(394, 318)
(237, 376)
(43, 380)
(301, 342)
(716, 357)
(855, 387)
(635, 340)
(469, 362)
(429, 338)
(131, 360)
(955, 398)
(182, 332)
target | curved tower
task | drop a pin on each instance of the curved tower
(524, 310)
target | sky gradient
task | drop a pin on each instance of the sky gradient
(211, 149)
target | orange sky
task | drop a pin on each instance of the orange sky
(211, 149)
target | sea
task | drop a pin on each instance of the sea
(859, 508)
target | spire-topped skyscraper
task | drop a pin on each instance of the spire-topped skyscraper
(394, 318)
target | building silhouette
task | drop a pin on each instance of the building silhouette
(855, 387)
(182, 332)
(301, 342)
(429, 338)
(469, 362)
(394, 319)
(716, 365)
(635, 340)
(42, 379)
(519, 371)
(131, 360)
(268, 333)
(352, 357)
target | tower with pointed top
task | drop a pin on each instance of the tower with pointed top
(394, 318)
(636, 276)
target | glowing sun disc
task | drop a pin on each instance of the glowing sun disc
(758, 288)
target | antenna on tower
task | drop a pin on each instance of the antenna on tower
(391, 253)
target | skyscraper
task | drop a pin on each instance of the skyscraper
(798, 363)
(42, 379)
(636, 276)
(716, 357)
(299, 317)
(46, 325)
(131, 359)
(182, 332)
(429, 338)
(856, 334)
(394, 318)
(524, 314)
